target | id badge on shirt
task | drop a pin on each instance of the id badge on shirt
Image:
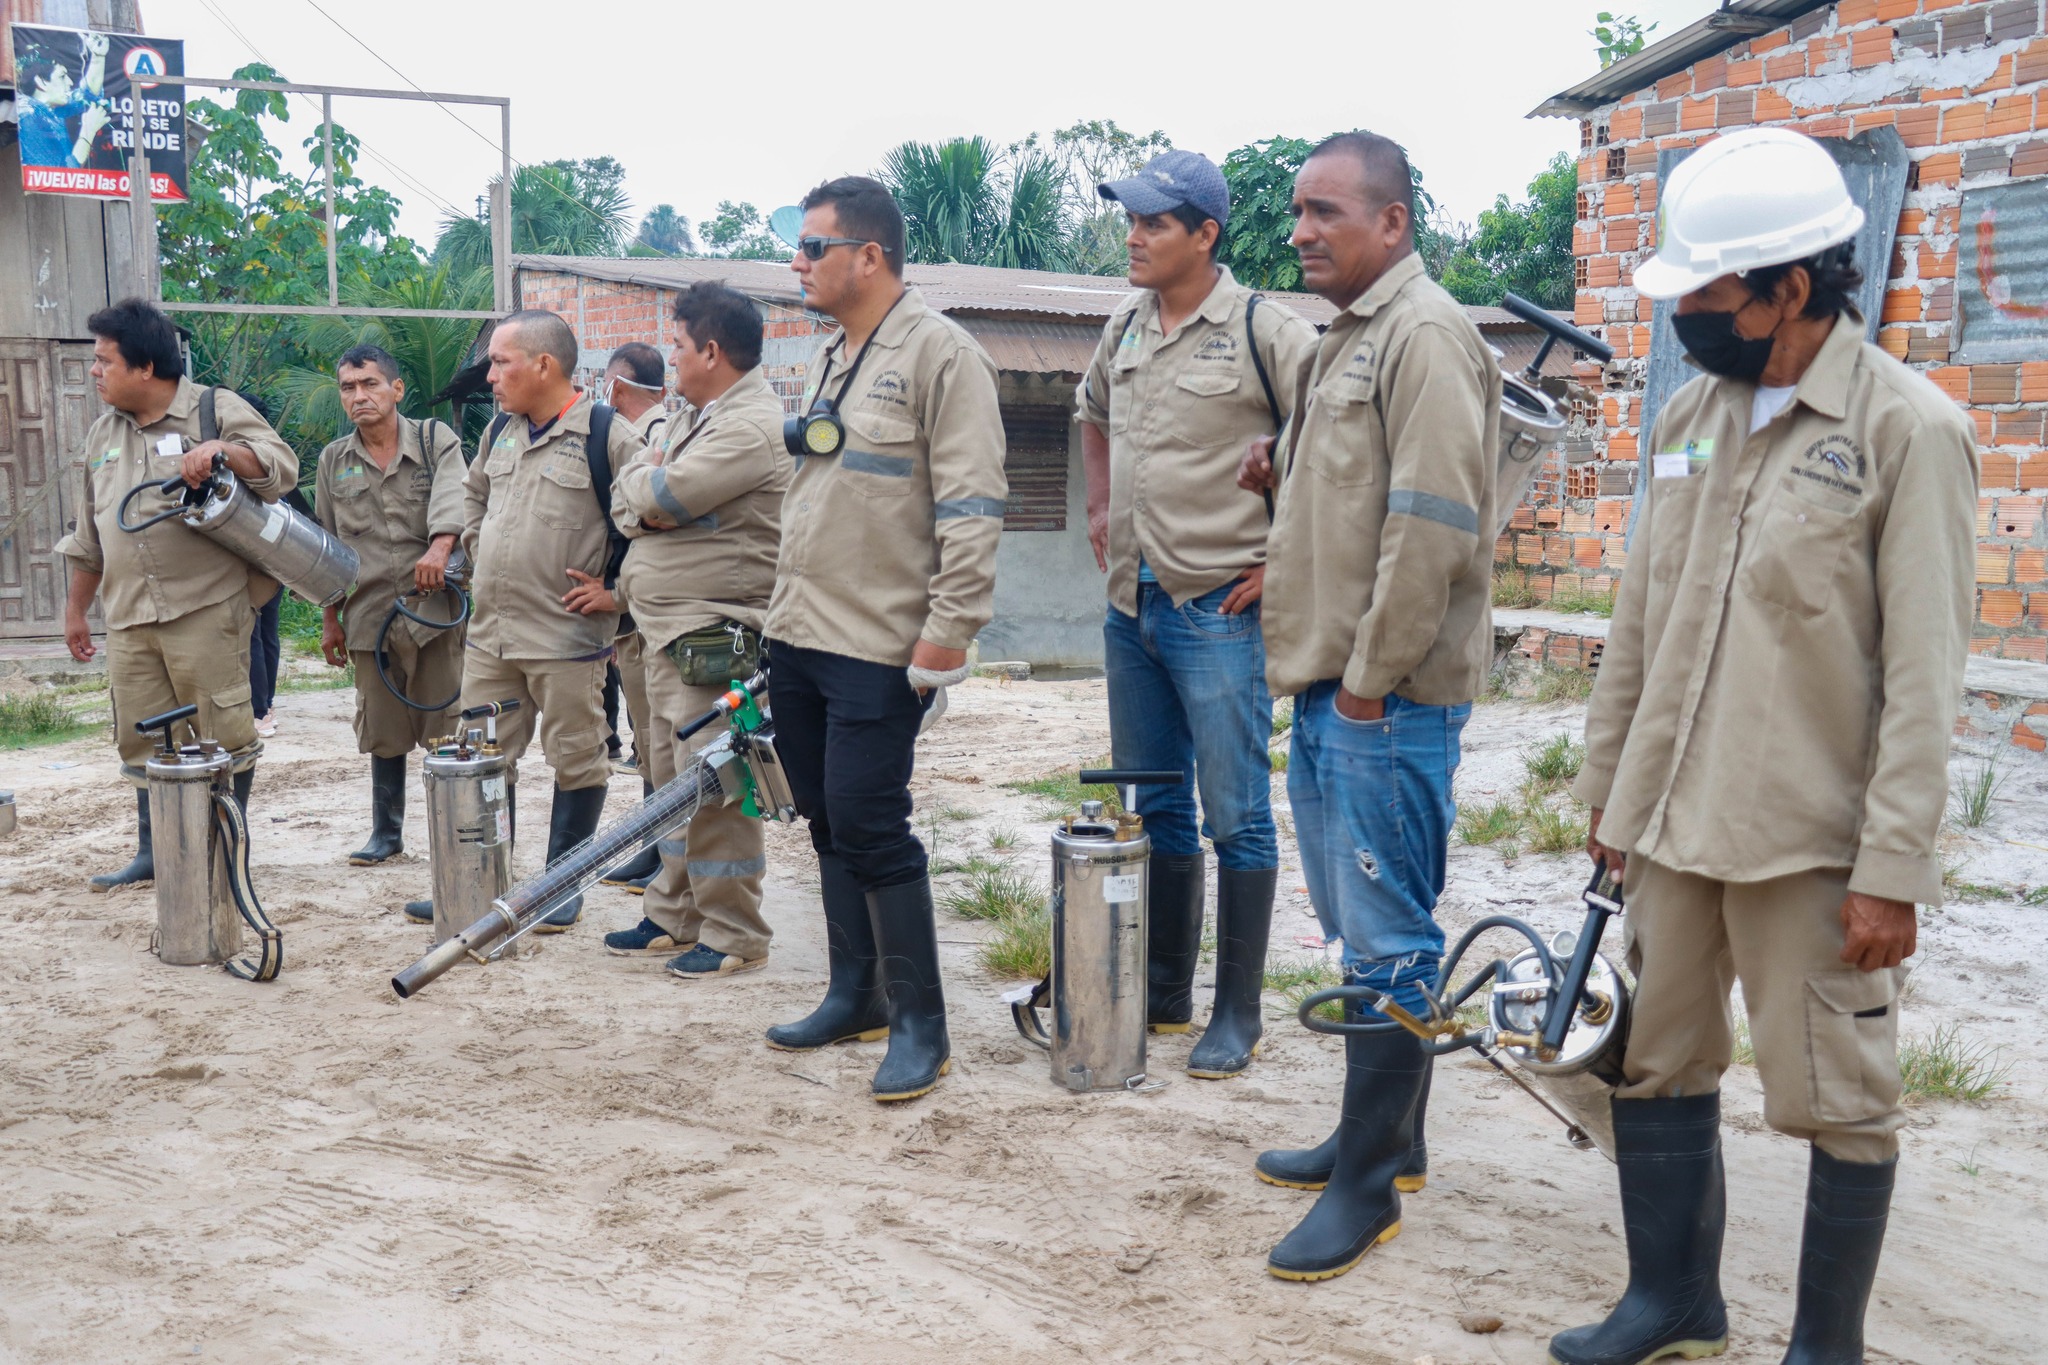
(1682, 462)
(171, 446)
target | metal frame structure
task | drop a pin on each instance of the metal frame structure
(142, 217)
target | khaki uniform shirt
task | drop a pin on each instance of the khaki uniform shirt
(529, 516)
(720, 485)
(1783, 671)
(1380, 566)
(655, 424)
(389, 517)
(894, 538)
(1180, 410)
(169, 570)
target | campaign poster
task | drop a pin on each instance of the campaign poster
(82, 102)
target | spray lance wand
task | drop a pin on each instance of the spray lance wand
(739, 766)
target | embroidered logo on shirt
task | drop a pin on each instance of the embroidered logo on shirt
(890, 387)
(1221, 346)
(1363, 367)
(1834, 462)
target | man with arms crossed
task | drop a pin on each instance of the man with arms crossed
(705, 519)
(886, 574)
(392, 491)
(178, 607)
(1379, 623)
(1172, 397)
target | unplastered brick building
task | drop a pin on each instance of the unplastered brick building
(1937, 111)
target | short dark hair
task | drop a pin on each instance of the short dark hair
(144, 334)
(1388, 177)
(34, 72)
(715, 312)
(1834, 275)
(866, 210)
(641, 362)
(1192, 218)
(545, 333)
(356, 357)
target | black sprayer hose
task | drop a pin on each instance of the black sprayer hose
(162, 486)
(234, 828)
(383, 658)
(1378, 999)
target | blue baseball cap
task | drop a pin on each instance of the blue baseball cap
(1169, 180)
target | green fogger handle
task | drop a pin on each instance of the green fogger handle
(732, 701)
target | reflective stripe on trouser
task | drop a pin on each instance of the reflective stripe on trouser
(633, 682)
(709, 890)
(387, 727)
(1826, 1034)
(568, 694)
(202, 657)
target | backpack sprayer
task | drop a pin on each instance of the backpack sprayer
(1558, 1011)
(740, 765)
(456, 586)
(470, 820)
(284, 543)
(1101, 869)
(203, 891)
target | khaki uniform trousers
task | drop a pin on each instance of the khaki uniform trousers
(1826, 1034)
(387, 727)
(634, 684)
(201, 657)
(567, 697)
(709, 887)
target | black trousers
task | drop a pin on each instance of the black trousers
(847, 733)
(264, 655)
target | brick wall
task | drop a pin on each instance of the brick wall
(1963, 82)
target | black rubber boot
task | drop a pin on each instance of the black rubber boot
(1360, 1207)
(422, 912)
(1847, 1204)
(907, 944)
(853, 1009)
(1308, 1168)
(1244, 919)
(142, 867)
(573, 818)
(387, 812)
(1673, 1208)
(643, 867)
(1173, 940)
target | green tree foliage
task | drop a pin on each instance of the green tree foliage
(1261, 178)
(739, 232)
(664, 232)
(561, 208)
(1523, 248)
(1090, 153)
(967, 202)
(1618, 36)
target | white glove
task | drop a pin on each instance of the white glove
(923, 678)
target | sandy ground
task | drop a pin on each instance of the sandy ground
(576, 1157)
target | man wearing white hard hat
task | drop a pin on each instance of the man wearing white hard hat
(1767, 744)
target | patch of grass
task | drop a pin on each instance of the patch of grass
(1283, 716)
(973, 863)
(40, 717)
(1968, 1165)
(1276, 759)
(953, 814)
(1061, 793)
(1500, 684)
(298, 623)
(1296, 979)
(1002, 840)
(1511, 588)
(1970, 798)
(1975, 893)
(1489, 824)
(994, 892)
(333, 680)
(1554, 764)
(1555, 684)
(1556, 828)
(1745, 1046)
(1022, 945)
(1946, 1066)
(1573, 595)
(2038, 896)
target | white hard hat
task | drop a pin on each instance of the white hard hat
(1763, 196)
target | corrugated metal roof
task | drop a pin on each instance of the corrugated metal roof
(1719, 31)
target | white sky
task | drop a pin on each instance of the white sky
(758, 102)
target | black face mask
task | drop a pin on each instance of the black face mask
(1711, 339)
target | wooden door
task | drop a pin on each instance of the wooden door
(46, 405)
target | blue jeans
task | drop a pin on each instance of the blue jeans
(1187, 690)
(1373, 813)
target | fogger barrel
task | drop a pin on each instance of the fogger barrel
(469, 823)
(196, 919)
(1100, 886)
(279, 540)
(1531, 422)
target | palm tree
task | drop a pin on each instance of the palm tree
(666, 232)
(1033, 235)
(964, 201)
(555, 212)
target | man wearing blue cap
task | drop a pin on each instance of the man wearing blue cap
(1189, 370)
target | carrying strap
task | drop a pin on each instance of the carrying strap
(1251, 339)
(209, 416)
(597, 452)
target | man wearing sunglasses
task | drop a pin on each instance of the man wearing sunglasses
(886, 573)
(1190, 370)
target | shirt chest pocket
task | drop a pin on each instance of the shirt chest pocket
(562, 497)
(1796, 553)
(1673, 503)
(353, 514)
(1342, 435)
(1197, 398)
(1123, 389)
(880, 457)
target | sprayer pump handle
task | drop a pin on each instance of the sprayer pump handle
(165, 721)
(490, 708)
(1131, 777)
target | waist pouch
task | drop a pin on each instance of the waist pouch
(716, 655)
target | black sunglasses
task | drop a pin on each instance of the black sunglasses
(814, 248)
